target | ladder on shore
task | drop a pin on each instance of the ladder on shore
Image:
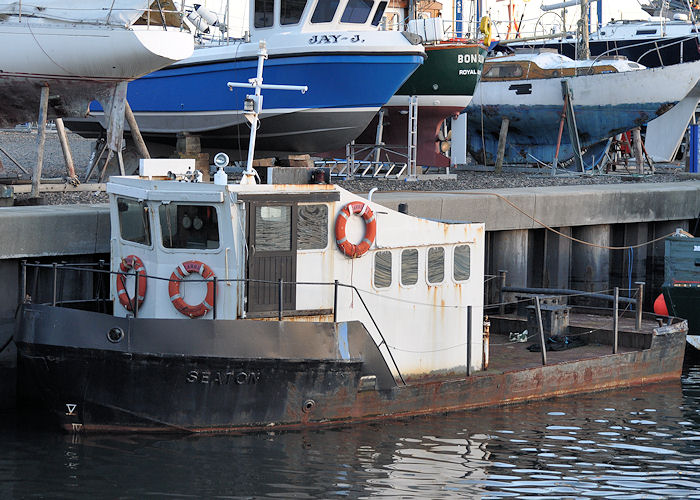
(412, 137)
(342, 169)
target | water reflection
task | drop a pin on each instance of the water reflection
(637, 443)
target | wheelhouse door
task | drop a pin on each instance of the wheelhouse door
(272, 247)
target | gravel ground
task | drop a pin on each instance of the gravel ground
(22, 147)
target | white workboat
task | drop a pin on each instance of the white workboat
(81, 51)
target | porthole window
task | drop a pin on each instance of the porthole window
(409, 267)
(436, 265)
(382, 269)
(462, 263)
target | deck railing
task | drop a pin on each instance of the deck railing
(58, 273)
(102, 277)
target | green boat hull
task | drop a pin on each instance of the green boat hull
(449, 70)
(444, 86)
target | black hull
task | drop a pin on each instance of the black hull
(112, 391)
(245, 375)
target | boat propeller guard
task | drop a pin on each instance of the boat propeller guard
(363, 210)
(185, 269)
(128, 263)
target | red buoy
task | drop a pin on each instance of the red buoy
(660, 306)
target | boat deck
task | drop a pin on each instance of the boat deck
(505, 355)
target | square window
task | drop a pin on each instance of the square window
(382, 269)
(409, 267)
(436, 265)
(461, 263)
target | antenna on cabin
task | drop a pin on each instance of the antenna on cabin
(253, 106)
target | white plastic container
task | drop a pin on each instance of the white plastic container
(220, 177)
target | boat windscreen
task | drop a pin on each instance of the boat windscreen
(379, 13)
(134, 223)
(264, 12)
(324, 11)
(291, 11)
(189, 226)
(357, 11)
(504, 71)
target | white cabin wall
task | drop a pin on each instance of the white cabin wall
(426, 326)
(162, 262)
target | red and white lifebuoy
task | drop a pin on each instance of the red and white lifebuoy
(185, 269)
(363, 210)
(127, 264)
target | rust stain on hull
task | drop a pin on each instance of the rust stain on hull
(636, 368)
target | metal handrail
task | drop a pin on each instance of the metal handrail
(280, 283)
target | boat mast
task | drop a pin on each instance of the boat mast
(583, 51)
(253, 107)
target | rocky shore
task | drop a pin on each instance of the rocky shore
(22, 147)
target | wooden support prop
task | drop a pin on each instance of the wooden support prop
(646, 155)
(41, 139)
(65, 147)
(502, 136)
(571, 125)
(637, 148)
(561, 131)
(14, 161)
(135, 132)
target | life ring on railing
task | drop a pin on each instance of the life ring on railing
(485, 28)
(127, 264)
(185, 269)
(363, 210)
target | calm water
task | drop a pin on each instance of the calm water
(642, 443)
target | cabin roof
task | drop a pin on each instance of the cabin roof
(552, 60)
(163, 190)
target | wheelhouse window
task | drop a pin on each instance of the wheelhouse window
(357, 11)
(312, 227)
(189, 226)
(291, 11)
(436, 265)
(324, 11)
(462, 263)
(409, 267)
(134, 222)
(273, 228)
(504, 71)
(379, 13)
(382, 269)
(264, 12)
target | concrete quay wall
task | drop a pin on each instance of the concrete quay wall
(560, 206)
(611, 215)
